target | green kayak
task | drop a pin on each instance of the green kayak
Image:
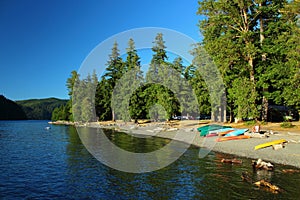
(205, 129)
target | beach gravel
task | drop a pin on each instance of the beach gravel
(289, 155)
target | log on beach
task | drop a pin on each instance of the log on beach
(232, 161)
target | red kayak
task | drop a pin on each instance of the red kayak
(211, 135)
(239, 137)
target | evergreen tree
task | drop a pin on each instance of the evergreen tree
(70, 86)
(291, 39)
(84, 98)
(178, 66)
(208, 85)
(132, 59)
(103, 100)
(127, 84)
(114, 71)
(79, 91)
(65, 112)
(159, 58)
(71, 81)
(157, 90)
(159, 49)
(166, 84)
(199, 87)
(54, 116)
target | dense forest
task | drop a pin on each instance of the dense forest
(40, 109)
(254, 44)
(10, 110)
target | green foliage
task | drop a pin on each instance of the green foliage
(81, 106)
(250, 123)
(114, 71)
(71, 82)
(61, 113)
(138, 104)
(256, 48)
(83, 99)
(64, 112)
(286, 125)
(160, 54)
(10, 110)
(244, 96)
(263, 123)
(40, 109)
(102, 100)
(128, 96)
(207, 83)
(126, 85)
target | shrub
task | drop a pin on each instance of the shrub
(286, 125)
(250, 123)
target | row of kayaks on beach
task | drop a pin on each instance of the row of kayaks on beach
(227, 132)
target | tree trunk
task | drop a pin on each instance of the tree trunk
(261, 28)
(213, 116)
(231, 117)
(113, 115)
(265, 106)
(265, 103)
(224, 106)
(252, 78)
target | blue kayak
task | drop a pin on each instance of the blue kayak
(236, 132)
(222, 130)
(205, 129)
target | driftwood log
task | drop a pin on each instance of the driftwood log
(232, 161)
(290, 170)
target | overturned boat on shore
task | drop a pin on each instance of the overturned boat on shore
(204, 130)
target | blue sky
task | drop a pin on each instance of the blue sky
(42, 41)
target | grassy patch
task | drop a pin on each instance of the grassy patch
(250, 123)
(286, 125)
(264, 123)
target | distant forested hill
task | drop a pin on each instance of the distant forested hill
(40, 109)
(10, 110)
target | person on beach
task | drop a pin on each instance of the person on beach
(256, 128)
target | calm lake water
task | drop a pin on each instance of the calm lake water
(53, 164)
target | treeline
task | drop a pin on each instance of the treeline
(123, 92)
(40, 109)
(10, 110)
(255, 46)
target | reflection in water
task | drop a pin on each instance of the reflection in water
(114, 156)
(188, 177)
(54, 164)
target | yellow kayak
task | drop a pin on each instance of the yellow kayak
(267, 144)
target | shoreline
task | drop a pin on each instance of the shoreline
(290, 155)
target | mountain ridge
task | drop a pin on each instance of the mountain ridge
(40, 109)
(31, 109)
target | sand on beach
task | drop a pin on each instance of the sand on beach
(289, 155)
